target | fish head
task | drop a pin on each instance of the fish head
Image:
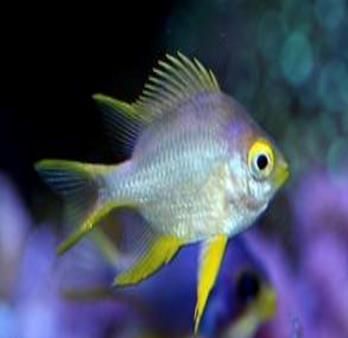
(257, 167)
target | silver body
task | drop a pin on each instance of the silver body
(187, 175)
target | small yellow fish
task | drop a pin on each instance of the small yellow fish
(200, 170)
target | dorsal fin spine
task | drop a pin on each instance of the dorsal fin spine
(193, 81)
(194, 69)
(142, 104)
(175, 72)
(213, 78)
(158, 90)
(170, 79)
(174, 81)
(204, 73)
(154, 96)
(165, 85)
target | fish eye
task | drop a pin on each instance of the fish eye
(262, 162)
(261, 159)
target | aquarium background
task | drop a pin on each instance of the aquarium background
(286, 61)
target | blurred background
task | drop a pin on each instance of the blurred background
(286, 61)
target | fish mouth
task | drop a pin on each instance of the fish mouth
(281, 174)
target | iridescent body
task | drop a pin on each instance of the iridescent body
(188, 176)
(200, 170)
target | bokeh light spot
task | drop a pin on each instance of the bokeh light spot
(333, 86)
(296, 58)
(330, 13)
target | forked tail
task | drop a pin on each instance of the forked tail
(82, 185)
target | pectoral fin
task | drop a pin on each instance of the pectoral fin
(161, 250)
(211, 258)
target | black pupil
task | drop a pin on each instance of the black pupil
(262, 162)
(248, 286)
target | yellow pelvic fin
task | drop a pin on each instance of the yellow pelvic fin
(161, 251)
(211, 258)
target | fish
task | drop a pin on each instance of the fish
(199, 170)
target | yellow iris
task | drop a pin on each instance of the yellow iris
(261, 159)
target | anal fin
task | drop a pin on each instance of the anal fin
(211, 258)
(161, 251)
(87, 226)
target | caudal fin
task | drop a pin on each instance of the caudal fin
(80, 184)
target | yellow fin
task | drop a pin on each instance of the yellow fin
(177, 79)
(122, 123)
(122, 107)
(80, 184)
(87, 226)
(211, 258)
(161, 251)
(174, 81)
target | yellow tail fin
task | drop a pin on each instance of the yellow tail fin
(79, 184)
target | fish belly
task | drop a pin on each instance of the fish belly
(190, 219)
(191, 206)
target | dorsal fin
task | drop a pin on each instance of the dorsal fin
(172, 83)
(122, 123)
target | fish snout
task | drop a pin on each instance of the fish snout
(281, 174)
